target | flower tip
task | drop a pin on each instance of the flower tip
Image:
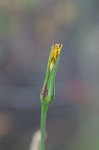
(58, 47)
(55, 53)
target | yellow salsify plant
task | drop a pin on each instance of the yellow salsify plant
(48, 91)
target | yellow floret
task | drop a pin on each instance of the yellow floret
(56, 51)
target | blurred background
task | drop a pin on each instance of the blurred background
(28, 28)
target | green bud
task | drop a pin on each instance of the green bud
(48, 91)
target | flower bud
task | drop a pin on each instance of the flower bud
(48, 91)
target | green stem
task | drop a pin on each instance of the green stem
(43, 125)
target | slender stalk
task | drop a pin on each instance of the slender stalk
(43, 125)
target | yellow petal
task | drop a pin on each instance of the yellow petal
(56, 51)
